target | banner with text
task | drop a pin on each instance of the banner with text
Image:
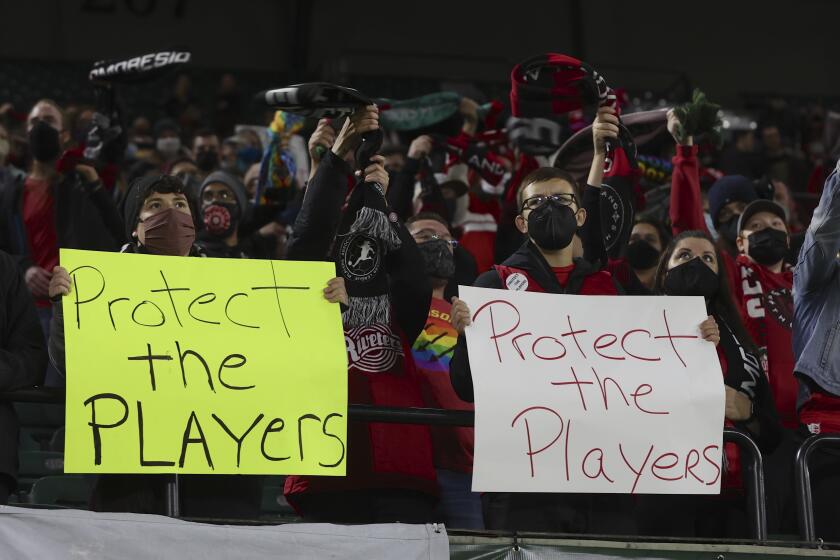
(593, 394)
(196, 365)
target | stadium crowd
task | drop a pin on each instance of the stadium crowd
(500, 195)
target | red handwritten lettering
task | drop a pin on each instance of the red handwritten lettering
(641, 469)
(671, 337)
(577, 382)
(516, 344)
(560, 344)
(689, 467)
(603, 387)
(657, 466)
(712, 462)
(626, 351)
(637, 393)
(597, 346)
(496, 336)
(601, 471)
(573, 333)
(531, 451)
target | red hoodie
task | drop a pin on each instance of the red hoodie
(763, 298)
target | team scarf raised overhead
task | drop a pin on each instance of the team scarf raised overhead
(367, 234)
(557, 84)
(427, 111)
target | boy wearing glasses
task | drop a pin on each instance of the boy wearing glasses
(452, 446)
(550, 214)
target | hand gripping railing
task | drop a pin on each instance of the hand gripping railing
(804, 501)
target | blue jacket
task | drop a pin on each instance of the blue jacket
(816, 293)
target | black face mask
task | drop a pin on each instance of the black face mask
(220, 219)
(693, 278)
(729, 230)
(44, 142)
(207, 160)
(768, 246)
(552, 225)
(437, 258)
(642, 255)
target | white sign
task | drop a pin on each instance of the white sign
(594, 394)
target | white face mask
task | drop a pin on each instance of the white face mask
(4, 149)
(168, 146)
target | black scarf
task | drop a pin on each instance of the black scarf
(743, 369)
(367, 233)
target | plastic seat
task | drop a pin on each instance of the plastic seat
(274, 504)
(40, 414)
(35, 438)
(57, 441)
(35, 464)
(72, 491)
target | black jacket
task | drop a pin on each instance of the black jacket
(315, 230)
(529, 259)
(85, 218)
(23, 355)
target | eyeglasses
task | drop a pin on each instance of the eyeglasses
(424, 236)
(565, 199)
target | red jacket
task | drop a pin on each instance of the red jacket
(757, 291)
(528, 270)
(381, 371)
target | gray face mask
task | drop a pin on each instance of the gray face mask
(4, 149)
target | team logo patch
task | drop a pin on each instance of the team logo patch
(373, 348)
(780, 306)
(517, 281)
(360, 258)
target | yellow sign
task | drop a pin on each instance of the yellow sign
(195, 365)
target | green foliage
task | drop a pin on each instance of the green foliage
(699, 118)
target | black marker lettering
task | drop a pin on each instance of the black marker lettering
(188, 440)
(270, 429)
(239, 364)
(240, 439)
(201, 300)
(96, 426)
(143, 461)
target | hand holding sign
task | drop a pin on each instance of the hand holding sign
(336, 291)
(460, 315)
(59, 283)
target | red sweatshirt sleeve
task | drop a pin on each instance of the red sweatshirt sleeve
(686, 203)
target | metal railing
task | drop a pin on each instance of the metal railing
(753, 466)
(804, 500)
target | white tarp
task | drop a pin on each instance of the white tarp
(593, 394)
(73, 534)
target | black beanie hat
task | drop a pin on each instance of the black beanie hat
(731, 188)
(230, 181)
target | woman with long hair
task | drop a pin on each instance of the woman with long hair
(692, 266)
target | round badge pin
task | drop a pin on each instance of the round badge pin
(517, 281)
